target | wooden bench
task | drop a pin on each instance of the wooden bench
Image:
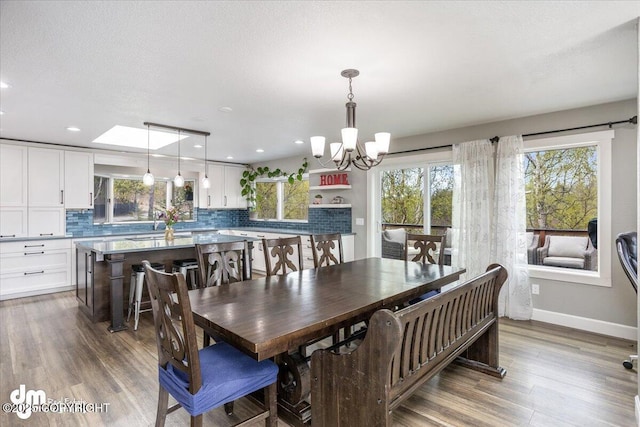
(404, 349)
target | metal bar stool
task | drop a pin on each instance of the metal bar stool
(135, 286)
(189, 265)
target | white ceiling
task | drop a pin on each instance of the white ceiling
(424, 66)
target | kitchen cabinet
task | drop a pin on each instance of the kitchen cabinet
(13, 222)
(225, 191)
(46, 222)
(78, 180)
(34, 267)
(13, 176)
(46, 177)
(85, 263)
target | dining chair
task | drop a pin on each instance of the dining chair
(200, 380)
(221, 263)
(324, 248)
(283, 252)
(426, 248)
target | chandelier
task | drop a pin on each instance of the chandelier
(351, 151)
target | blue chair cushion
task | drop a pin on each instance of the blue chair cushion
(227, 374)
(425, 296)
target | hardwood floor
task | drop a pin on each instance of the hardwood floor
(555, 376)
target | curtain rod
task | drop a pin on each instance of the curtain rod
(158, 125)
(632, 120)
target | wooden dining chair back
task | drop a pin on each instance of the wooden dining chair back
(221, 263)
(325, 248)
(282, 255)
(426, 248)
(200, 380)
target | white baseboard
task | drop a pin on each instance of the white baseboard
(32, 293)
(586, 324)
(638, 411)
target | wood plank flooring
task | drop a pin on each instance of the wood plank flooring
(555, 376)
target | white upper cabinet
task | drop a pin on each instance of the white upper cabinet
(225, 191)
(46, 177)
(233, 191)
(78, 180)
(13, 176)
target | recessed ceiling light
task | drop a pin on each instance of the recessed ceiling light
(73, 129)
(197, 146)
(4, 85)
(137, 138)
(298, 141)
(158, 155)
(259, 150)
(229, 157)
(225, 109)
(1, 113)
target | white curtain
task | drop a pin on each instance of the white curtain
(489, 217)
(472, 206)
(508, 238)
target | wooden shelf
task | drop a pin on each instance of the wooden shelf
(330, 187)
(331, 205)
(327, 170)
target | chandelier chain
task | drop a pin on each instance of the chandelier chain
(350, 96)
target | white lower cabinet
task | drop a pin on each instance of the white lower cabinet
(34, 267)
(46, 222)
(13, 222)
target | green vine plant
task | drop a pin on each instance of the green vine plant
(249, 178)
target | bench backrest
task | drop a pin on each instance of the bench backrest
(401, 351)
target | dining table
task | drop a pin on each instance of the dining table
(272, 317)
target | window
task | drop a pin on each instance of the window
(129, 200)
(567, 185)
(281, 200)
(404, 201)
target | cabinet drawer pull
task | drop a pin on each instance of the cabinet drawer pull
(208, 201)
(35, 272)
(90, 199)
(34, 253)
(34, 246)
(244, 234)
(62, 197)
(46, 234)
(7, 235)
(261, 236)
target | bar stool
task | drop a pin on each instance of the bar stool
(189, 265)
(136, 284)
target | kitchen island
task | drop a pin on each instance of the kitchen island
(104, 267)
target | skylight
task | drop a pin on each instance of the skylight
(134, 137)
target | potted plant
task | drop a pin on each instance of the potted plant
(317, 199)
(249, 178)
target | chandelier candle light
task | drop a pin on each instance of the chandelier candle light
(148, 178)
(178, 181)
(350, 151)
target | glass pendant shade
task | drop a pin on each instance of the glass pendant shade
(349, 138)
(205, 182)
(336, 151)
(382, 142)
(178, 181)
(317, 146)
(148, 178)
(371, 149)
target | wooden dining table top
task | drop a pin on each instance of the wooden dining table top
(271, 315)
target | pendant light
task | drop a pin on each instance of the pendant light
(148, 178)
(205, 180)
(178, 181)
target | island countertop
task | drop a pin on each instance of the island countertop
(156, 243)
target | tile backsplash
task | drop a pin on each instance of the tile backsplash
(321, 220)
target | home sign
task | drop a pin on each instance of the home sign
(334, 179)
